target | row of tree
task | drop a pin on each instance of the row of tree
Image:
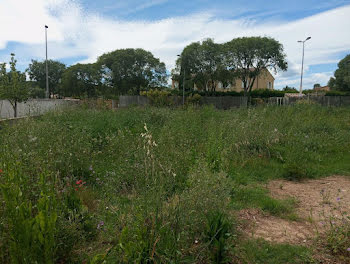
(206, 63)
(128, 71)
(118, 72)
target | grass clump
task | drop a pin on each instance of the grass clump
(261, 252)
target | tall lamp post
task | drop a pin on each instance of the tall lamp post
(302, 66)
(183, 84)
(47, 69)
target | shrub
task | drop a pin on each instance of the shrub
(217, 233)
(338, 240)
(158, 97)
(193, 99)
(337, 93)
(30, 228)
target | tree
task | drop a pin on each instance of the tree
(317, 85)
(248, 56)
(332, 84)
(13, 85)
(37, 72)
(341, 80)
(130, 70)
(202, 63)
(82, 80)
(288, 89)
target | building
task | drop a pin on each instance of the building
(264, 81)
(322, 89)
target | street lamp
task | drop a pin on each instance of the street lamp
(47, 69)
(183, 84)
(302, 66)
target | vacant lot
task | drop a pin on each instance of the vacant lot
(159, 185)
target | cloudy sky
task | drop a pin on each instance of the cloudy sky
(82, 30)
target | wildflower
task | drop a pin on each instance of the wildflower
(32, 139)
(1, 171)
(196, 241)
(348, 249)
(100, 224)
(79, 184)
(338, 199)
(90, 168)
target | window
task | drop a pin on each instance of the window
(269, 85)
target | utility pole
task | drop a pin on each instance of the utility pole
(183, 82)
(47, 68)
(302, 66)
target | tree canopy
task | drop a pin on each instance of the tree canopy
(248, 56)
(13, 86)
(289, 89)
(37, 72)
(202, 63)
(207, 63)
(82, 80)
(341, 80)
(131, 70)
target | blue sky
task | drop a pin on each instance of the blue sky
(82, 30)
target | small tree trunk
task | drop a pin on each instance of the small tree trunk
(15, 109)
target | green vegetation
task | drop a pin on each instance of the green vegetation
(13, 86)
(261, 252)
(341, 80)
(37, 74)
(206, 63)
(158, 185)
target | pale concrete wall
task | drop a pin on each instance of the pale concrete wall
(33, 107)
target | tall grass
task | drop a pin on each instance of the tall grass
(148, 185)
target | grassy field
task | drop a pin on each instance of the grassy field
(159, 185)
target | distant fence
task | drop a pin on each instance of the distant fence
(322, 100)
(227, 102)
(33, 107)
(222, 102)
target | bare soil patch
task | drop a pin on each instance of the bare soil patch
(320, 203)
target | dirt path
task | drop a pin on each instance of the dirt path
(319, 203)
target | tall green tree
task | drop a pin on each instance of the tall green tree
(341, 80)
(82, 80)
(13, 86)
(37, 72)
(202, 62)
(331, 83)
(248, 57)
(130, 70)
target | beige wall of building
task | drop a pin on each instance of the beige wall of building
(264, 81)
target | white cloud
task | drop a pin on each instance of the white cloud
(73, 33)
(308, 80)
